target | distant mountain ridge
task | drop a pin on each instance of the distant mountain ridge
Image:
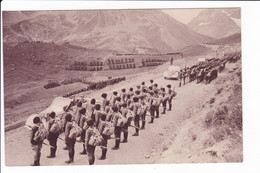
(131, 31)
(217, 23)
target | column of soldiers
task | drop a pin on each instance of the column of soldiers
(96, 123)
(208, 71)
(107, 120)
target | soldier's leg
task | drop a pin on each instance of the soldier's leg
(117, 136)
(82, 139)
(170, 104)
(143, 120)
(164, 106)
(137, 124)
(125, 132)
(157, 111)
(104, 147)
(152, 114)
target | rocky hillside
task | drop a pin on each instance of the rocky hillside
(121, 30)
(217, 23)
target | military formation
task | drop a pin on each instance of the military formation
(94, 124)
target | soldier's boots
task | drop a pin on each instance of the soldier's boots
(36, 163)
(103, 156)
(170, 107)
(143, 125)
(84, 150)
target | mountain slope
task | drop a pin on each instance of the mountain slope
(217, 23)
(120, 30)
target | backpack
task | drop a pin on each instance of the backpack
(141, 110)
(56, 127)
(96, 138)
(129, 116)
(121, 121)
(109, 129)
(41, 133)
(75, 131)
(156, 102)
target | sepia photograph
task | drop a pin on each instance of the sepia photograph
(122, 86)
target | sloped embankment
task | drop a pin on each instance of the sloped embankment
(212, 131)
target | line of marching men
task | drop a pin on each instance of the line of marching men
(208, 71)
(93, 124)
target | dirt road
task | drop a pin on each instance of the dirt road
(149, 147)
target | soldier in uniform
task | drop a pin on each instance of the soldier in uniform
(123, 95)
(115, 116)
(143, 115)
(90, 107)
(152, 109)
(180, 77)
(104, 96)
(113, 98)
(36, 145)
(52, 136)
(169, 94)
(131, 92)
(124, 112)
(135, 108)
(77, 114)
(157, 105)
(70, 142)
(164, 100)
(101, 127)
(90, 148)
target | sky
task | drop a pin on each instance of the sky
(183, 15)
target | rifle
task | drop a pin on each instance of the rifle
(48, 145)
(134, 127)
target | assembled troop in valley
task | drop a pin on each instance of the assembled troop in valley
(94, 124)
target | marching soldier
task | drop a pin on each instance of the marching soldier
(36, 144)
(115, 119)
(113, 98)
(164, 99)
(156, 103)
(124, 111)
(70, 142)
(136, 106)
(143, 114)
(53, 134)
(123, 95)
(90, 148)
(84, 127)
(77, 114)
(101, 128)
(104, 96)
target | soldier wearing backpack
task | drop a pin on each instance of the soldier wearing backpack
(164, 99)
(101, 127)
(124, 112)
(90, 108)
(104, 96)
(53, 134)
(84, 127)
(90, 147)
(143, 111)
(131, 92)
(156, 103)
(152, 107)
(70, 141)
(36, 141)
(170, 95)
(77, 114)
(123, 95)
(118, 126)
(136, 108)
